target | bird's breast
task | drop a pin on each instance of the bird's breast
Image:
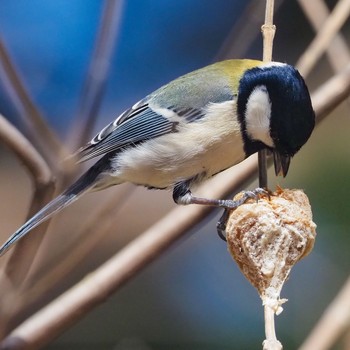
(206, 146)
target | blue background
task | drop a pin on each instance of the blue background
(193, 296)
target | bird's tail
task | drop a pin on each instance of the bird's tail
(85, 183)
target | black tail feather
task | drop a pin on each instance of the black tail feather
(85, 183)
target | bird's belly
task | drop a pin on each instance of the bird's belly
(162, 162)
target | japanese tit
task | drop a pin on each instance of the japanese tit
(193, 128)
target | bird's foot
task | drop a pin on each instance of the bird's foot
(233, 204)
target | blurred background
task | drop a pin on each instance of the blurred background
(193, 296)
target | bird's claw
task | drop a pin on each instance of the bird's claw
(256, 194)
(221, 225)
(234, 204)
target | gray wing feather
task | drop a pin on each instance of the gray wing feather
(133, 126)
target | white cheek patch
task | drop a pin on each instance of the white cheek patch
(257, 116)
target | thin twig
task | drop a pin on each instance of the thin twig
(51, 321)
(41, 134)
(24, 150)
(268, 30)
(332, 93)
(19, 263)
(323, 38)
(271, 342)
(98, 71)
(244, 31)
(337, 50)
(333, 323)
(346, 339)
(37, 286)
(88, 239)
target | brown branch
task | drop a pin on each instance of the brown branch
(90, 235)
(71, 306)
(41, 134)
(244, 31)
(331, 94)
(268, 30)
(337, 51)
(37, 286)
(333, 323)
(98, 71)
(17, 266)
(22, 255)
(323, 38)
(24, 150)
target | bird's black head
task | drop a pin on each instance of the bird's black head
(275, 111)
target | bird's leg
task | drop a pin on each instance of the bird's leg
(183, 195)
(221, 225)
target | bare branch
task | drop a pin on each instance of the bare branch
(331, 94)
(337, 51)
(268, 30)
(323, 38)
(333, 323)
(19, 263)
(41, 134)
(24, 150)
(88, 239)
(244, 31)
(97, 76)
(271, 342)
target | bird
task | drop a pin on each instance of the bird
(193, 128)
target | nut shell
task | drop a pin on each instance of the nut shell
(266, 238)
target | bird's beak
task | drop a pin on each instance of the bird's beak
(281, 162)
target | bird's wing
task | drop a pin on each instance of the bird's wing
(137, 124)
(153, 116)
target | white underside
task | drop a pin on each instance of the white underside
(204, 147)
